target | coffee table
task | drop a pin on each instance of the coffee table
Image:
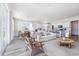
(68, 42)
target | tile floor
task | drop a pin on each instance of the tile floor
(51, 48)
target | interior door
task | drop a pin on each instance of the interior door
(74, 27)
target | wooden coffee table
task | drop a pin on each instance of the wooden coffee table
(68, 42)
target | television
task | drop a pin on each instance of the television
(60, 26)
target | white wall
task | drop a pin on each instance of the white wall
(11, 26)
(65, 22)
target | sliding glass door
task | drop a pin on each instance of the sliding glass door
(4, 27)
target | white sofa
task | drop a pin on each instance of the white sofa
(43, 35)
(48, 37)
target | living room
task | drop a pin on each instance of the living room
(53, 27)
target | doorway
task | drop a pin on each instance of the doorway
(75, 30)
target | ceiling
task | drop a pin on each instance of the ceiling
(44, 11)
